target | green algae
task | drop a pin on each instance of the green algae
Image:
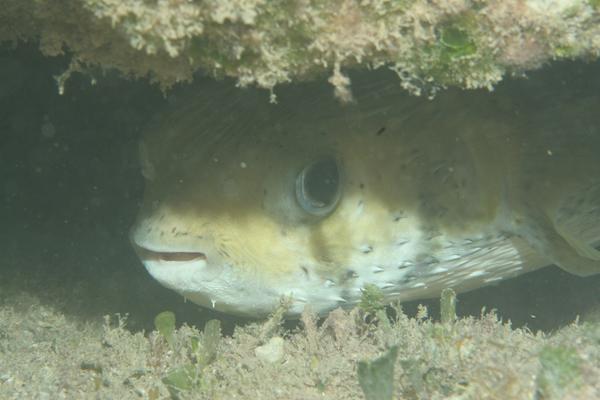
(560, 371)
(371, 300)
(448, 306)
(180, 380)
(203, 351)
(456, 42)
(165, 325)
(376, 378)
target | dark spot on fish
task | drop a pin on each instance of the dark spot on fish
(162, 217)
(429, 235)
(361, 185)
(174, 229)
(409, 277)
(162, 233)
(224, 253)
(305, 270)
(367, 249)
(398, 216)
(401, 242)
(380, 131)
(264, 192)
(350, 274)
(430, 260)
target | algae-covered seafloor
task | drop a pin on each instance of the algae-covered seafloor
(70, 190)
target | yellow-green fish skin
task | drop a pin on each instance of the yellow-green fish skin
(460, 192)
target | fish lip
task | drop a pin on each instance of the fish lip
(147, 254)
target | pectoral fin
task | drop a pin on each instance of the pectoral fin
(560, 247)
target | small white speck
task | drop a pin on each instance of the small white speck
(215, 159)
(439, 270)
(476, 273)
(492, 279)
(272, 97)
(213, 302)
(243, 165)
(417, 285)
(549, 152)
(329, 283)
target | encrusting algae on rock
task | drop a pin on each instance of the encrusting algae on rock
(429, 44)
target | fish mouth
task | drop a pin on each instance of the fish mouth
(146, 254)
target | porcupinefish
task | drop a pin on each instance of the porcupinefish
(247, 202)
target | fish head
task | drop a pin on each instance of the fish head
(239, 213)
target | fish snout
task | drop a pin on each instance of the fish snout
(153, 244)
(177, 262)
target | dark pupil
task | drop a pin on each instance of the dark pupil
(321, 182)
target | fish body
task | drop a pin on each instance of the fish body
(247, 202)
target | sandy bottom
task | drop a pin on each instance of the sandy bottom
(49, 352)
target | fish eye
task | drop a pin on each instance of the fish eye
(318, 187)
